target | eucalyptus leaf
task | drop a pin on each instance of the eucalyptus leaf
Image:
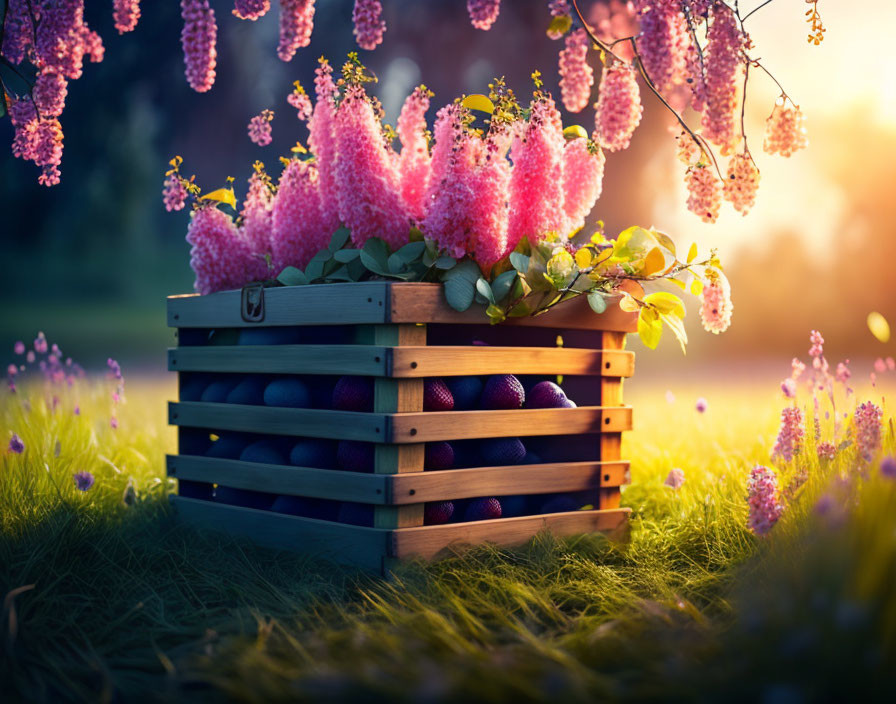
(356, 269)
(339, 239)
(395, 263)
(415, 235)
(520, 262)
(597, 302)
(446, 263)
(375, 256)
(460, 284)
(346, 255)
(314, 270)
(485, 290)
(411, 251)
(502, 284)
(291, 276)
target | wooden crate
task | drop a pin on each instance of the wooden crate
(399, 334)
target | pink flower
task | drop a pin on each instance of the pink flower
(867, 420)
(322, 138)
(296, 25)
(558, 8)
(704, 192)
(612, 20)
(701, 405)
(888, 467)
(18, 32)
(300, 101)
(251, 9)
(742, 183)
(369, 23)
(16, 445)
(12, 370)
(256, 215)
(826, 450)
(785, 131)
(583, 178)
(663, 42)
(125, 13)
(299, 228)
(414, 160)
(723, 60)
(788, 387)
(174, 193)
(489, 211)
(891, 363)
(762, 499)
(220, 258)
(716, 306)
(483, 13)
(798, 368)
(198, 39)
(843, 374)
(50, 91)
(817, 344)
(365, 175)
(536, 181)
(618, 107)
(83, 480)
(260, 128)
(675, 478)
(576, 76)
(113, 422)
(40, 343)
(19, 347)
(880, 366)
(790, 435)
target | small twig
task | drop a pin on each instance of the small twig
(755, 10)
(757, 64)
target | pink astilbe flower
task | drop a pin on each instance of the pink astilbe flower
(583, 177)
(198, 38)
(18, 32)
(296, 25)
(826, 450)
(220, 258)
(723, 60)
(260, 128)
(452, 184)
(663, 42)
(483, 13)
(369, 23)
(741, 183)
(126, 13)
(174, 193)
(785, 130)
(256, 214)
(715, 305)
(790, 435)
(414, 160)
(365, 175)
(764, 506)
(49, 92)
(489, 207)
(300, 101)
(558, 8)
(704, 192)
(576, 76)
(251, 9)
(300, 229)
(536, 182)
(675, 478)
(618, 107)
(322, 139)
(867, 420)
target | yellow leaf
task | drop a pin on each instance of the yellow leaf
(692, 252)
(654, 262)
(482, 103)
(879, 326)
(650, 329)
(575, 132)
(583, 258)
(222, 195)
(629, 304)
(559, 25)
(678, 283)
(696, 287)
(666, 303)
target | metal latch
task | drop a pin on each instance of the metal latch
(252, 303)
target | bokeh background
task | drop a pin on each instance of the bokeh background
(91, 261)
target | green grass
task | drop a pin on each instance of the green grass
(111, 600)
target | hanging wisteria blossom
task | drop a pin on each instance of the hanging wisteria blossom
(576, 76)
(296, 26)
(369, 23)
(483, 13)
(198, 38)
(251, 9)
(618, 108)
(126, 13)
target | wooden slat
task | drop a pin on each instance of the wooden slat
(453, 484)
(461, 425)
(337, 425)
(280, 479)
(323, 304)
(425, 303)
(355, 545)
(361, 360)
(611, 442)
(480, 360)
(429, 541)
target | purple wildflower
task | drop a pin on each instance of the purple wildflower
(16, 445)
(701, 405)
(40, 344)
(19, 347)
(888, 467)
(675, 478)
(113, 422)
(765, 510)
(790, 435)
(826, 450)
(867, 421)
(83, 480)
(788, 387)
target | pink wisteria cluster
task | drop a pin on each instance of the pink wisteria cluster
(765, 507)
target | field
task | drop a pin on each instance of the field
(107, 598)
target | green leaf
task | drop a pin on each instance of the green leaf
(356, 269)
(520, 310)
(411, 251)
(346, 255)
(559, 25)
(415, 235)
(520, 262)
(597, 302)
(460, 284)
(503, 283)
(291, 276)
(375, 256)
(446, 263)
(485, 290)
(314, 270)
(495, 314)
(339, 238)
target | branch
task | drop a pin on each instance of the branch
(755, 10)
(755, 63)
(603, 45)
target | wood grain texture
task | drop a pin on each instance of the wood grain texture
(360, 360)
(482, 360)
(319, 304)
(281, 479)
(337, 425)
(611, 443)
(453, 484)
(428, 541)
(425, 303)
(355, 545)
(461, 425)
